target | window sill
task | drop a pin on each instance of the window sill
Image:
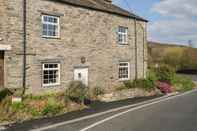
(122, 80)
(125, 44)
(51, 37)
(50, 85)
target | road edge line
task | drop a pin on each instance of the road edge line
(136, 108)
(109, 111)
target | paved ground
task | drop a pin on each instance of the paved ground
(177, 114)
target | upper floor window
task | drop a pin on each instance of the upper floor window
(124, 71)
(50, 26)
(122, 35)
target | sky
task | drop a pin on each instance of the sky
(170, 21)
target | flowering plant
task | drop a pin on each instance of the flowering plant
(164, 87)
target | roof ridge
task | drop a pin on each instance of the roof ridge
(102, 6)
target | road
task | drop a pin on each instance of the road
(177, 114)
(192, 76)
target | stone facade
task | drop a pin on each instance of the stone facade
(84, 33)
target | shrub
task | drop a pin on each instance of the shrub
(144, 84)
(147, 84)
(97, 91)
(127, 85)
(18, 106)
(183, 83)
(52, 108)
(4, 93)
(76, 91)
(165, 73)
(34, 112)
(164, 87)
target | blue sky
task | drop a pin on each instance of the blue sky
(170, 21)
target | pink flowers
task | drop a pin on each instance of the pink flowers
(164, 87)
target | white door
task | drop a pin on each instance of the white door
(81, 74)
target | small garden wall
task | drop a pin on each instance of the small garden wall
(128, 93)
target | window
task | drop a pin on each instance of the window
(50, 26)
(51, 74)
(124, 71)
(122, 35)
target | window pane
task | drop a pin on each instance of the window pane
(124, 70)
(50, 74)
(122, 35)
(50, 26)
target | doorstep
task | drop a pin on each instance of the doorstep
(95, 107)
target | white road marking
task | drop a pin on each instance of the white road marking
(133, 109)
(102, 113)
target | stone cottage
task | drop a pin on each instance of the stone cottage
(45, 44)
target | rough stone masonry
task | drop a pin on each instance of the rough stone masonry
(84, 33)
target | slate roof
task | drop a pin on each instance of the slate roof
(100, 5)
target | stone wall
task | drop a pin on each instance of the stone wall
(128, 93)
(84, 33)
(11, 32)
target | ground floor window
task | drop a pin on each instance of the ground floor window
(51, 74)
(124, 71)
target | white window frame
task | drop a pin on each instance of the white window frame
(47, 69)
(50, 23)
(123, 34)
(128, 66)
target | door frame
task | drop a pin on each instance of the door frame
(3, 67)
(83, 67)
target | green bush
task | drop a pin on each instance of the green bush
(18, 106)
(4, 93)
(165, 73)
(34, 112)
(127, 85)
(52, 108)
(147, 84)
(97, 91)
(76, 91)
(182, 83)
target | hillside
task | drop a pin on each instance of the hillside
(178, 56)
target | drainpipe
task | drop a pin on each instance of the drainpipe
(24, 45)
(143, 52)
(136, 50)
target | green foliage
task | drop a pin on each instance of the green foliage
(180, 58)
(127, 84)
(18, 106)
(34, 112)
(165, 73)
(183, 83)
(52, 108)
(97, 91)
(147, 84)
(76, 91)
(4, 93)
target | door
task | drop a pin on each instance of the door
(81, 74)
(1, 69)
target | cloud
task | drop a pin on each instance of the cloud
(178, 22)
(176, 8)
